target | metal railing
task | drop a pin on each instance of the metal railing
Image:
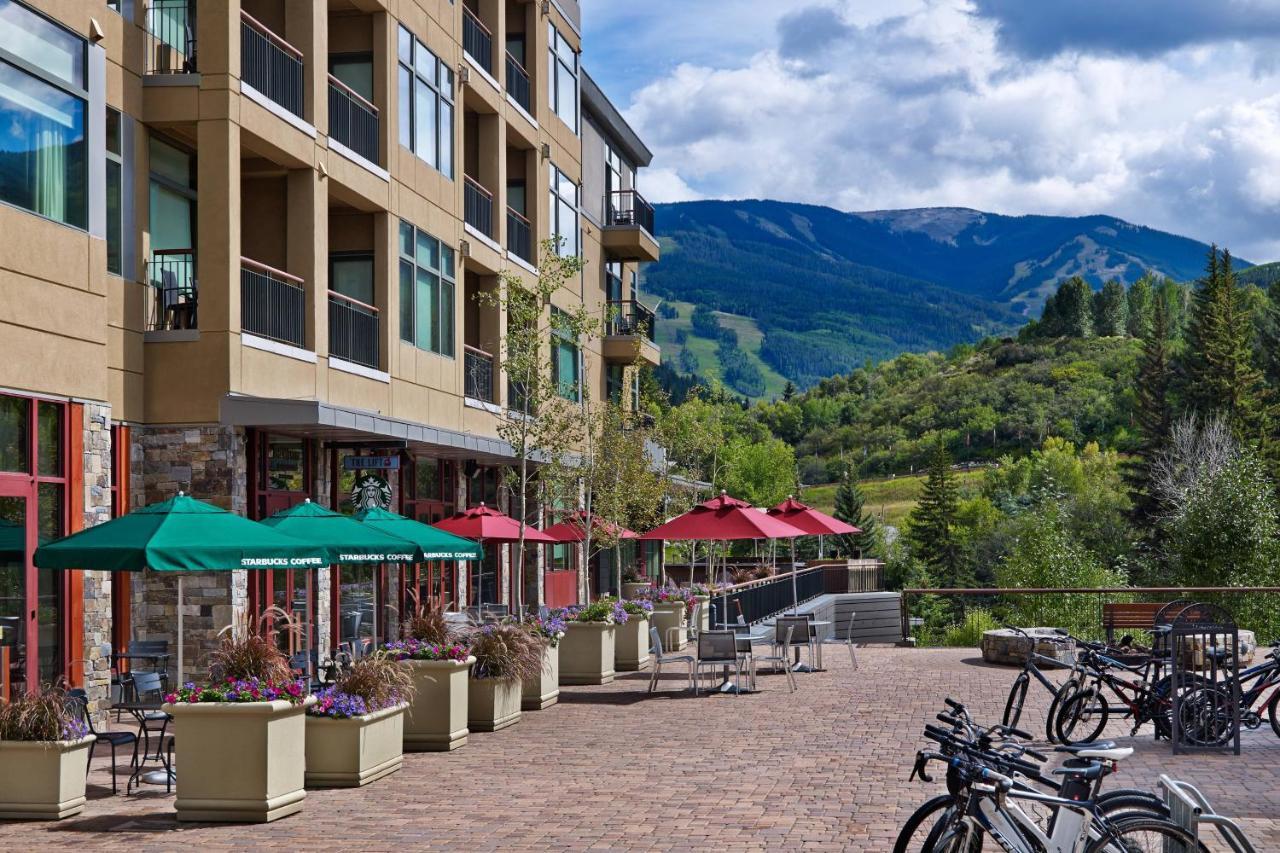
(353, 330)
(477, 41)
(170, 37)
(172, 275)
(519, 236)
(478, 381)
(628, 207)
(270, 64)
(273, 304)
(629, 317)
(478, 207)
(757, 600)
(353, 121)
(518, 83)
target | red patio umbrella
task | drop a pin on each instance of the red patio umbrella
(811, 521)
(485, 523)
(574, 528)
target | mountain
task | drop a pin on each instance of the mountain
(830, 289)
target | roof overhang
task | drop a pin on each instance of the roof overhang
(606, 116)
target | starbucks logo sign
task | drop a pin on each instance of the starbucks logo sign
(371, 492)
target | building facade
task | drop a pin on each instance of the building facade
(243, 245)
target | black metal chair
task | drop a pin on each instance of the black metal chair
(78, 701)
(152, 725)
(718, 649)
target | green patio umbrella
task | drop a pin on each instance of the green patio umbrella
(345, 540)
(435, 544)
(181, 534)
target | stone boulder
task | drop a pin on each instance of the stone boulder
(1003, 646)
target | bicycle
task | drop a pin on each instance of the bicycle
(1082, 715)
(1207, 717)
(1018, 691)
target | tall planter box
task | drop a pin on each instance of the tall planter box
(631, 646)
(43, 780)
(493, 704)
(543, 691)
(633, 590)
(666, 616)
(437, 717)
(704, 612)
(353, 752)
(239, 762)
(586, 653)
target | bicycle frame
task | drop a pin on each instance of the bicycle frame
(1015, 831)
(1266, 675)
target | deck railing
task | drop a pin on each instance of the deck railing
(170, 37)
(629, 317)
(477, 41)
(478, 381)
(757, 600)
(628, 207)
(172, 276)
(353, 121)
(518, 83)
(519, 236)
(353, 330)
(270, 64)
(478, 207)
(273, 303)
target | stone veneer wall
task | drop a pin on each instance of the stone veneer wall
(97, 585)
(208, 462)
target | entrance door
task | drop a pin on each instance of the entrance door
(16, 617)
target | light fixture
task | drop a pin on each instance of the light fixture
(464, 248)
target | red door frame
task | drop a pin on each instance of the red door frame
(264, 501)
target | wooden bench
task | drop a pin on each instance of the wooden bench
(1140, 616)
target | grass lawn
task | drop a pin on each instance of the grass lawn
(890, 498)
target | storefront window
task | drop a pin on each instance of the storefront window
(50, 440)
(15, 435)
(285, 464)
(357, 605)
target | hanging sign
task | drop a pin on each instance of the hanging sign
(371, 492)
(371, 463)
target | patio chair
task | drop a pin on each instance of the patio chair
(660, 657)
(151, 724)
(780, 658)
(847, 642)
(78, 703)
(718, 649)
(800, 637)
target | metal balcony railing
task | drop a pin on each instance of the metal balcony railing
(628, 207)
(172, 275)
(629, 317)
(518, 84)
(478, 207)
(353, 121)
(519, 236)
(270, 64)
(170, 37)
(478, 381)
(353, 330)
(477, 41)
(273, 304)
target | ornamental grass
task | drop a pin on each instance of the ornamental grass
(506, 652)
(43, 716)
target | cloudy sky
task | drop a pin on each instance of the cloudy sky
(1162, 112)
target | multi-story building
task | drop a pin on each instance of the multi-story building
(242, 241)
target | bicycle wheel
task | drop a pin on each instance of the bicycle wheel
(952, 834)
(915, 832)
(1273, 711)
(1081, 718)
(1070, 686)
(1145, 835)
(1017, 698)
(1205, 718)
(1123, 802)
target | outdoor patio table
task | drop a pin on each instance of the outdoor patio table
(814, 624)
(727, 686)
(156, 777)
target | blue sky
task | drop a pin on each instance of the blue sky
(1163, 112)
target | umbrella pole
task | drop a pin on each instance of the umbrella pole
(819, 546)
(795, 594)
(181, 669)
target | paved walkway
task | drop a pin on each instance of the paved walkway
(614, 768)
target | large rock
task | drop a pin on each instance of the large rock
(1004, 646)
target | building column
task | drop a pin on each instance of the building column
(307, 28)
(218, 222)
(308, 250)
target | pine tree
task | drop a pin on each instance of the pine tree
(788, 391)
(1153, 413)
(850, 508)
(1267, 349)
(1110, 310)
(931, 527)
(1141, 305)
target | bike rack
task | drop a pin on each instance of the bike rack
(1188, 808)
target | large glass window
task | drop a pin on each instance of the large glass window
(42, 116)
(351, 274)
(426, 291)
(426, 103)
(565, 366)
(564, 212)
(354, 70)
(115, 210)
(15, 435)
(562, 77)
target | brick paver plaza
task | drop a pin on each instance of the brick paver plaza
(614, 768)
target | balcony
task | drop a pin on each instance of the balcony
(353, 121)
(477, 41)
(629, 333)
(519, 236)
(518, 84)
(478, 381)
(170, 37)
(478, 207)
(270, 64)
(628, 232)
(273, 304)
(353, 330)
(172, 275)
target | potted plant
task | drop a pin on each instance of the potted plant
(542, 691)
(670, 606)
(634, 583)
(355, 730)
(631, 641)
(586, 652)
(44, 750)
(505, 655)
(243, 735)
(438, 663)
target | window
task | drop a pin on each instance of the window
(351, 274)
(613, 281)
(614, 379)
(115, 216)
(426, 291)
(354, 70)
(565, 367)
(564, 212)
(172, 199)
(562, 77)
(43, 93)
(426, 104)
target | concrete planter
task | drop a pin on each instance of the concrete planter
(356, 751)
(633, 590)
(668, 616)
(586, 653)
(43, 780)
(239, 762)
(437, 717)
(704, 612)
(543, 691)
(631, 646)
(493, 704)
